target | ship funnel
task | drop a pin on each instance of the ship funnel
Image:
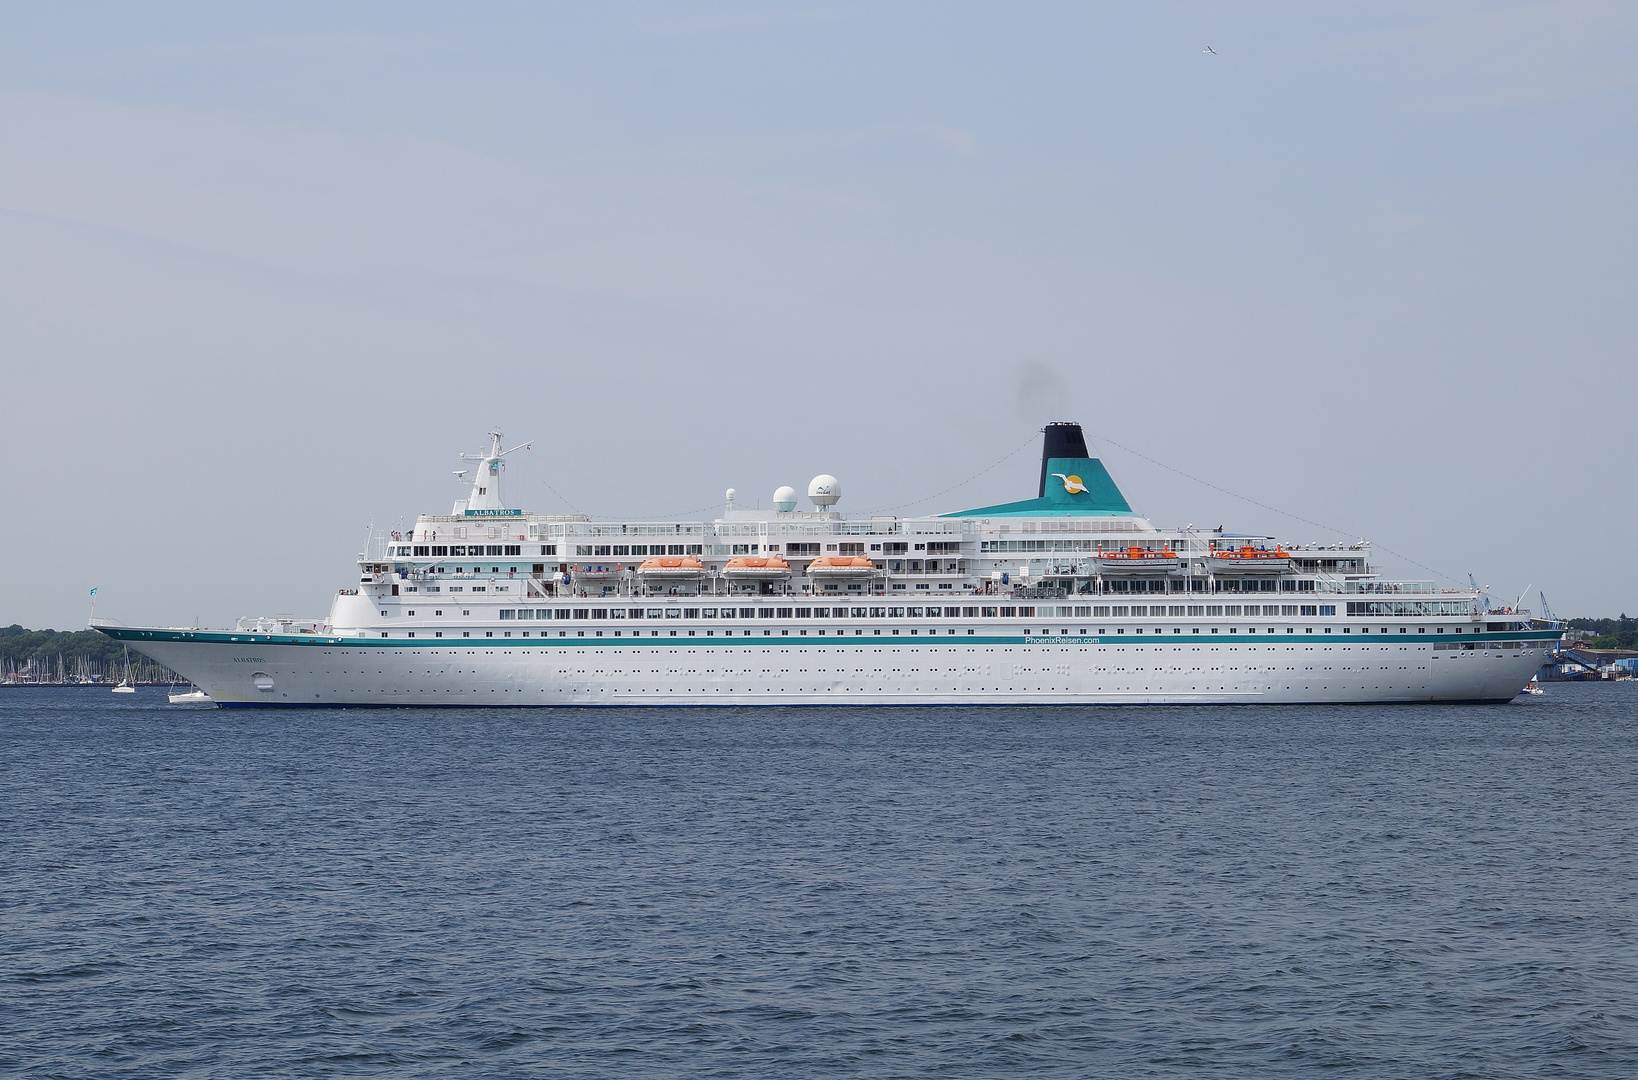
(1063, 440)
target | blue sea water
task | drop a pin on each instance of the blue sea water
(1376, 892)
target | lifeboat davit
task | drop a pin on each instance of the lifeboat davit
(672, 568)
(842, 568)
(772, 568)
(1136, 560)
(1249, 560)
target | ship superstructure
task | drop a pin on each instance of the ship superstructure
(1066, 598)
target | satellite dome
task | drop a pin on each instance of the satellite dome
(785, 499)
(824, 490)
(731, 494)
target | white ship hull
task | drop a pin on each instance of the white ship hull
(939, 615)
(885, 669)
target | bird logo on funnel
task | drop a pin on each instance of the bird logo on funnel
(1072, 484)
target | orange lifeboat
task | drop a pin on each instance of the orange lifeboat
(672, 568)
(841, 568)
(772, 568)
(1136, 560)
(1249, 560)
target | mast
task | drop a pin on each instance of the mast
(486, 480)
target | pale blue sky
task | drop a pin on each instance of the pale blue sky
(262, 275)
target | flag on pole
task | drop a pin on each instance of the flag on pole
(93, 592)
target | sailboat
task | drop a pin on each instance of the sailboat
(125, 686)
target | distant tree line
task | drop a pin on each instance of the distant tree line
(46, 652)
(1619, 633)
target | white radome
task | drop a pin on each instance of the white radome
(785, 499)
(824, 490)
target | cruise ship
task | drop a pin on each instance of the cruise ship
(1067, 598)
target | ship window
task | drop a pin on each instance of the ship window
(673, 613)
(600, 613)
(582, 613)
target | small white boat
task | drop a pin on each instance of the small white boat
(195, 696)
(125, 686)
(1531, 687)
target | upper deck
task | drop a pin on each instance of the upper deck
(1077, 539)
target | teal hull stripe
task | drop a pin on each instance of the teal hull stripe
(325, 641)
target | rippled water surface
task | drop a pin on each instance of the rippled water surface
(1408, 891)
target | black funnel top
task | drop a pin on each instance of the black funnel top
(1062, 441)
